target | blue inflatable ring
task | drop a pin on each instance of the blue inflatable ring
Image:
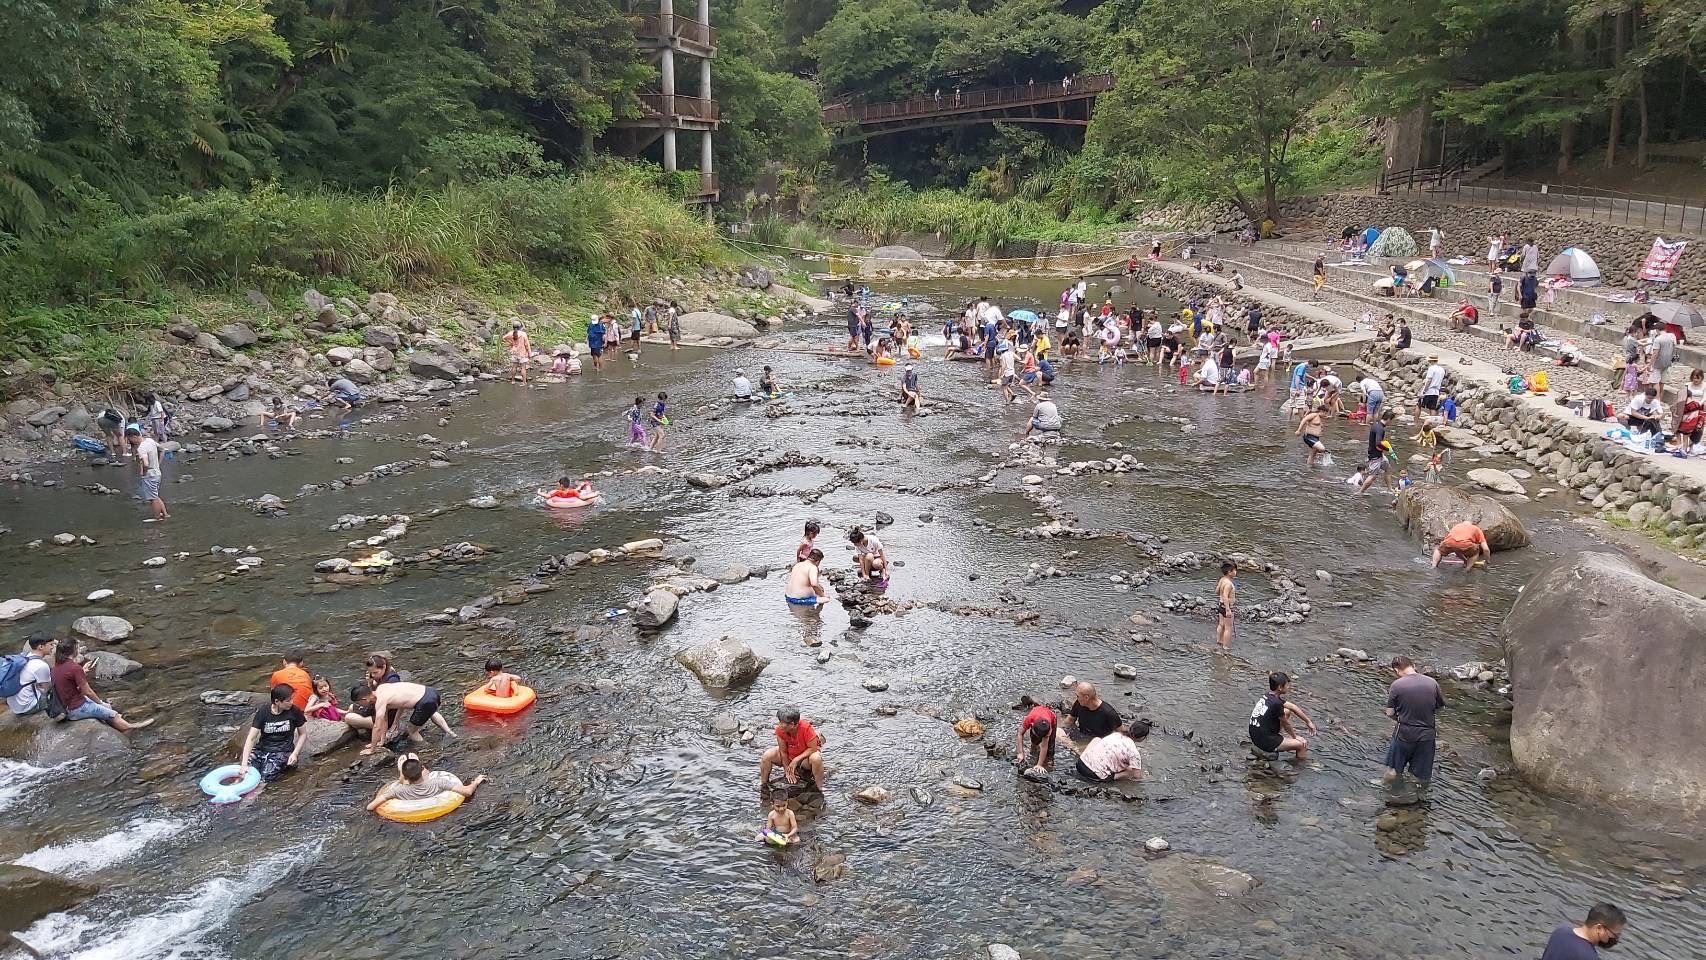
(230, 783)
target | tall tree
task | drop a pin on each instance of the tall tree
(1219, 89)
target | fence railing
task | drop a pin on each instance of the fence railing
(1674, 214)
(691, 108)
(685, 29)
(962, 101)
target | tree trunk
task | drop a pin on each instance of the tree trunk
(1641, 140)
(1575, 43)
(1247, 208)
(1620, 39)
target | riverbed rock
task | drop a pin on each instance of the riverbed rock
(1497, 481)
(1605, 666)
(872, 794)
(48, 742)
(1199, 879)
(325, 736)
(27, 895)
(236, 335)
(96, 596)
(483, 503)
(706, 323)
(1430, 512)
(16, 609)
(432, 366)
(656, 610)
(104, 629)
(722, 663)
(1001, 951)
(107, 665)
(217, 424)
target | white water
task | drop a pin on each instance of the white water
(81, 857)
(175, 927)
(18, 778)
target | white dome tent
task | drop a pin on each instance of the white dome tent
(1574, 264)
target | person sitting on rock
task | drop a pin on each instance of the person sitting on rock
(415, 782)
(1038, 729)
(1115, 756)
(275, 738)
(798, 748)
(1270, 723)
(77, 698)
(1465, 542)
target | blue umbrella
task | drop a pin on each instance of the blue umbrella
(1024, 316)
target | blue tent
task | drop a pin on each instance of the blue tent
(1370, 235)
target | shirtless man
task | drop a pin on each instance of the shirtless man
(1465, 542)
(390, 699)
(1227, 591)
(805, 586)
(1310, 430)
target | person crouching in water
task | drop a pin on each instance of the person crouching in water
(873, 558)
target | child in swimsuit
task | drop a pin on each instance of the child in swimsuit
(636, 417)
(499, 683)
(660, 419)
(569, 490)
(807, 542)
(767, 384)
(781, 824)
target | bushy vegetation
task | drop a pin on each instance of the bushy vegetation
(884, 210)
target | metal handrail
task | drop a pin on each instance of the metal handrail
(693, 108)
(1676, 214)
(961, 101)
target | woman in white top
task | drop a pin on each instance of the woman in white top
(1115, 756)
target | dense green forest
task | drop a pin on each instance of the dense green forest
(153, 146)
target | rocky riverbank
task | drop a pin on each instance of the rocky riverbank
(220, 379)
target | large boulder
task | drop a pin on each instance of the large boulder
(1497, 481)
(324, 736)
(1430, 512)
(656, 610)
(104, 629)
(722, 663)
(107, 665)
(895, 252)
(1605, 664)
(381, 336)
(28, 894)
(46, 742)
(704, 323)
(433, 366)
(360, 371)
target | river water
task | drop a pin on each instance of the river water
(616, 824)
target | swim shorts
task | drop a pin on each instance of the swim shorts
(1429, 401)
(148, 488)
(1311, 441)
(1263, 742)
(801, 601)
(270, 765)
(1085, 773)
(633, 336)
(425, 707)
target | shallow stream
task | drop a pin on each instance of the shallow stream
(618, 824)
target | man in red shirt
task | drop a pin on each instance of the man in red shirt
(797, 746)
(294, 675)
(1040, 724)
(1464, 316)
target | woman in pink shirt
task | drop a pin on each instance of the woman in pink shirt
(1115, 756)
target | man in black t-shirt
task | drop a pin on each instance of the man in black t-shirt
(1089, 716)
(276, 736)
(1377, 451)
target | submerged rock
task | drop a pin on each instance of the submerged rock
(104, 629)
(27, 895)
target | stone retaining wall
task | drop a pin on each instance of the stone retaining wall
(1641, 488)
(1183, 287)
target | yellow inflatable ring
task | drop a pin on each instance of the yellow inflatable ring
(420, 811)
(885, 361)
(520, 698)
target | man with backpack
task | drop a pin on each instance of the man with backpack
(25, 677)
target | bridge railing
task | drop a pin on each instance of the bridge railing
(690, 108)
(962, 101)
(685, 30)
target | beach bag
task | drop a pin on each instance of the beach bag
(89, 445)
(1538, 382)
(1597, 410)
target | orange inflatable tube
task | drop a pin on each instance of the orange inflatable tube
(482, 701)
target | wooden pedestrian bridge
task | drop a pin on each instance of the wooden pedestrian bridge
(1065, 102)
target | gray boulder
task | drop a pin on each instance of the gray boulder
(217, 424)
(381, 336)
(723, 663)
(46, 416)
(28, 894)
(104, 629)
(704, 323)
(435, 367)
(1430, 512)
(236, 335)
(895, 252)
(1605, 665)
(360, 371)
(48, 742)
(1497, 481)
(656, 610)
(324, 736)
(755, 277)
(107, 665)
(211, 343)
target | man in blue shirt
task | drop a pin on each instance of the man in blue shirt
(1603, 928)
(596, 331)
